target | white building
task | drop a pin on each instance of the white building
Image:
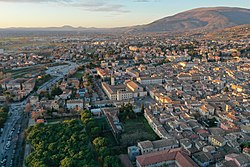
(75, 104)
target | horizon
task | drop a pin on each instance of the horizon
(97, 13)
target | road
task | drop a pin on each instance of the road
(12, 137)
(10, 134)
(59, 73)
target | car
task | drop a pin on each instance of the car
(8, 145)
(11, 133)
(3, 161)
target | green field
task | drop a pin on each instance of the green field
(78, 75)
(132, 135)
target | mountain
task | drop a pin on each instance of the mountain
(199, 19)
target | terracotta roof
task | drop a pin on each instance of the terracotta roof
(146, 144)
(132, 84)
(40, 120)
(167, 155)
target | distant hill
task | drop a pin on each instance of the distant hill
(201, 19)
(236, 32)
(206, 19)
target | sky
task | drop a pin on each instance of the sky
(97, 13)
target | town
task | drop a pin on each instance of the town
(144, 100)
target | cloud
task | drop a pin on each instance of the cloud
(98, 6)
(88, 5)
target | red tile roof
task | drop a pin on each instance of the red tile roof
(166, 155)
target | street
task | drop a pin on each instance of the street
(10, 134)
(59, 72)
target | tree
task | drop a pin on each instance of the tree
(63, 144)
(104, 152)
(226, 89)
(245, 145)
(3, 115)
(56, 91)
(44, 94)
(85, 116)
(126, 112)
(66, 162)
(99, 142)
(111, 161)
(96, 131)
(142, 108)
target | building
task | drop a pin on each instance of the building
(103, 73)
(149, 80)
(203, 158)
(75, 104)
(173, 157)
(135, 88)
(118, 92)
(111, 93)
(124, 94)
(158, 145)
(240, 160)
(133, 152)
(217, 140)
(113, 120)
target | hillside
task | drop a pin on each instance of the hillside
(236, 32)
(206, 19)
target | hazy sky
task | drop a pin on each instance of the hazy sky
(97, 13)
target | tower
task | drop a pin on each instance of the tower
(112, 80)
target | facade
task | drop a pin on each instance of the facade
(124, 95)
(123, 92)
(217, 140)
(75, 104)
(133, 152)
(135, 88)
(149, 80)
(158, 145)
(109, 92)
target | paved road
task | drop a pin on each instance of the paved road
(10, 134)
(59, 73)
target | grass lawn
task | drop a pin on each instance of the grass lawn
(102, 122)
(134, 130)
(78, 74)
(137, 130)
(54, 120)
